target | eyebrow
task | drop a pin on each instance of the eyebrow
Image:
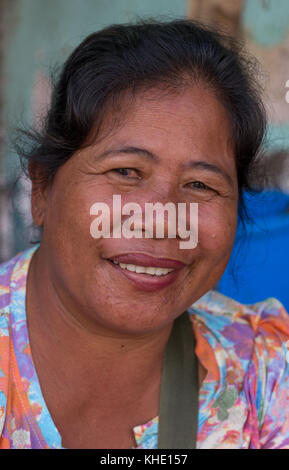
(130, 150)
(200, 164)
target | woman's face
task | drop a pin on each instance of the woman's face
(174, 149)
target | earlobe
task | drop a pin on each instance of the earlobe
(37, 207)
(38, 194)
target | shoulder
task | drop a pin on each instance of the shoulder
(12, 279)
(13, 270)
(6, 270)
(221, 313)
(260, 329)
(254, 341)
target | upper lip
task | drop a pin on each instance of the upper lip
(141, 259)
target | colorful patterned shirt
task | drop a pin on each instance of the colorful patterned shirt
(243, 401)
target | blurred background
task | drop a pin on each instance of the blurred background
(37, 35)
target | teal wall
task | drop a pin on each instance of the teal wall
(266, 22)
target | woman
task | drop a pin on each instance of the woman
(155, 113)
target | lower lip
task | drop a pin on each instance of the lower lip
(147, 282)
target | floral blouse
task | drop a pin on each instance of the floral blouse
(243, 401)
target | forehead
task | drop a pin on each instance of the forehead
(184, 124)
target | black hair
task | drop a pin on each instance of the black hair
(147, 54)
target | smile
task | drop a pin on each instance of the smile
(146, 272)
(152, 271)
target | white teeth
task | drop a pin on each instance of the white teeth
(151, 270)
(130, 267)
(143, 269)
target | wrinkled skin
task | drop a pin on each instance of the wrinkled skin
(89, 311)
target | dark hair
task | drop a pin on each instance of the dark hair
(148, 53)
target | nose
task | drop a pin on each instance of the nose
(156, 214)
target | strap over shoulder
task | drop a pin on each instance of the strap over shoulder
(178, 415)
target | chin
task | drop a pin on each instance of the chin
(137, 320)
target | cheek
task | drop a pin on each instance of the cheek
(69, 207)
(217, 227)
(67, 233)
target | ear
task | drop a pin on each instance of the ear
(39, 192)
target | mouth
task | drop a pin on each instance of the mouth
(150, 270)
(146, 272)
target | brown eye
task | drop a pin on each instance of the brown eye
(127, 172)
(199, 185)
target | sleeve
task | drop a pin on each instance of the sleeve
(267, 380)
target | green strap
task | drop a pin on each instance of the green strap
(178, 413)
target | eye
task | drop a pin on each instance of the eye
(129, 173)
(199, 185)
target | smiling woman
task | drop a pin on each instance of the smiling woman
(117, 343)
